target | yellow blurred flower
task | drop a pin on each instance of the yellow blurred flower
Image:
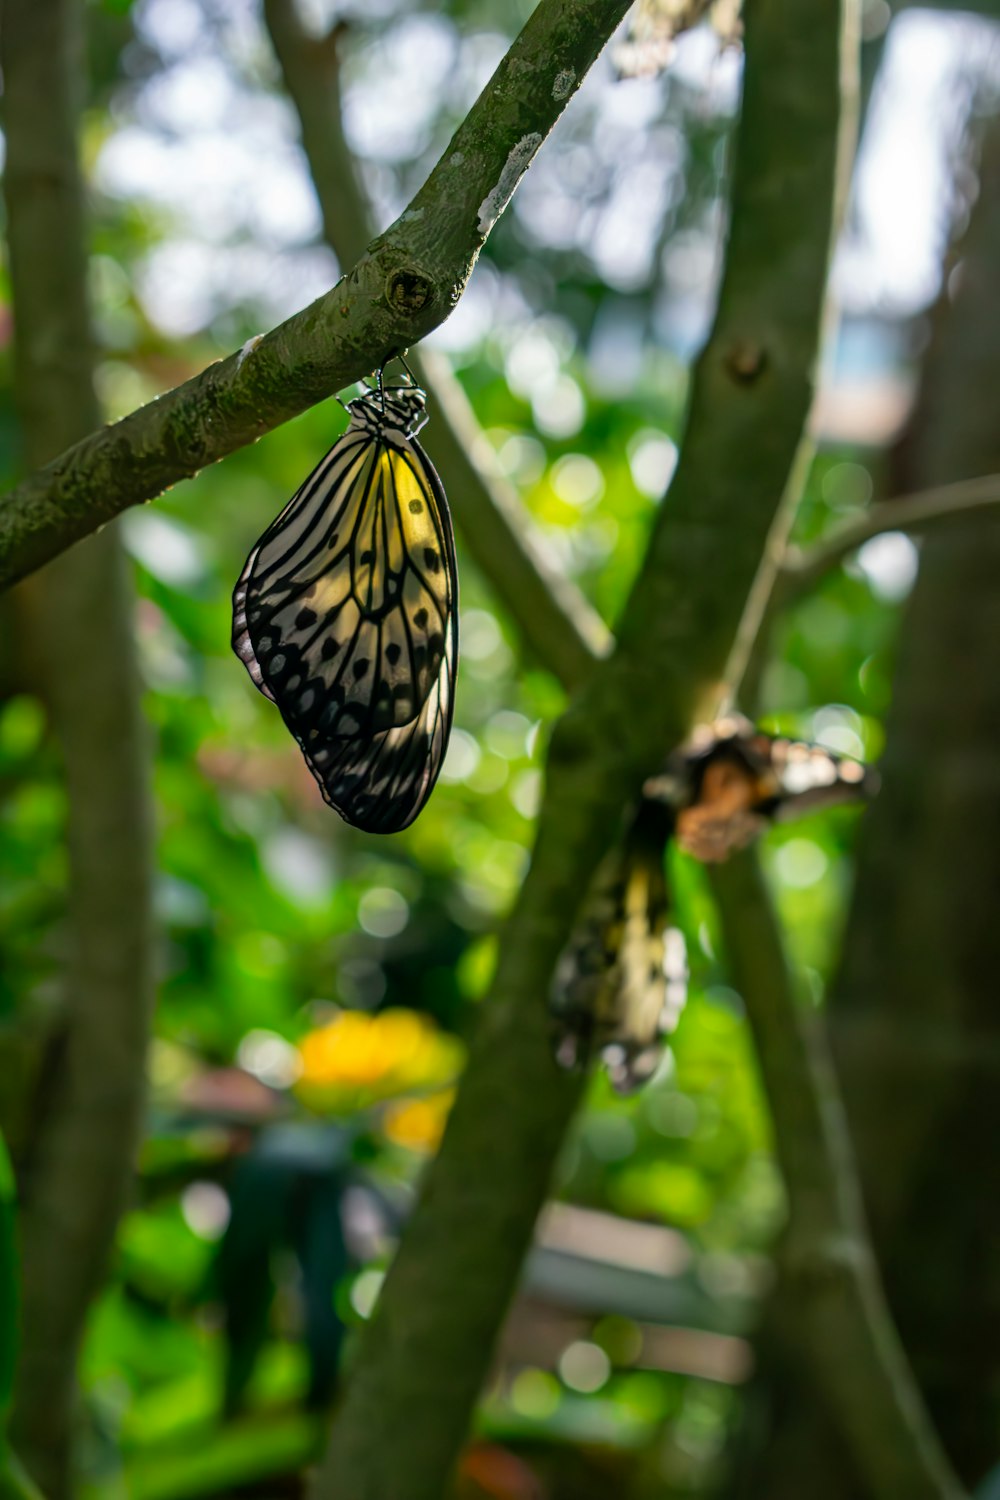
(374, 1056)
(419, 1123)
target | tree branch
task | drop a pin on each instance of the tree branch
(837, 1319)
(76, 623)
(14, 1483)
(424, 1356)
(405, 284)
(803, 568)
(790, 573)
(557, 622)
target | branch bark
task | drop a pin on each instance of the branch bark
(555, 619)
(424, 1356)
(76, 621)
(833, 1311)
(406, 283)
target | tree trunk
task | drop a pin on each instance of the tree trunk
(76, 621)
(915, 1025)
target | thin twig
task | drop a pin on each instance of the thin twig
(803, 568)
(790, 573)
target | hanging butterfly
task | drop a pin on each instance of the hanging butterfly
(621, 982)
(346, 615)
(619, 986)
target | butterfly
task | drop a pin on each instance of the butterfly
(731, 780)
(619, 986)
(621, 982)
(346, 615)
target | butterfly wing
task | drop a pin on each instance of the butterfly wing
(388, 783)
(802, 778)
(346, 615)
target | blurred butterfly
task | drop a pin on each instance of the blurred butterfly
(346, 615)
(619, 986)
(731, 780)
(621, 982)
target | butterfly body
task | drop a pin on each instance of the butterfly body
(346, 616)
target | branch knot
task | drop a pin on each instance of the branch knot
(409, 290)
(745, 361)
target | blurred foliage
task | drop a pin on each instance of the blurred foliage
(316, 986)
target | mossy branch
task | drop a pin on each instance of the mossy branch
(406, 283)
